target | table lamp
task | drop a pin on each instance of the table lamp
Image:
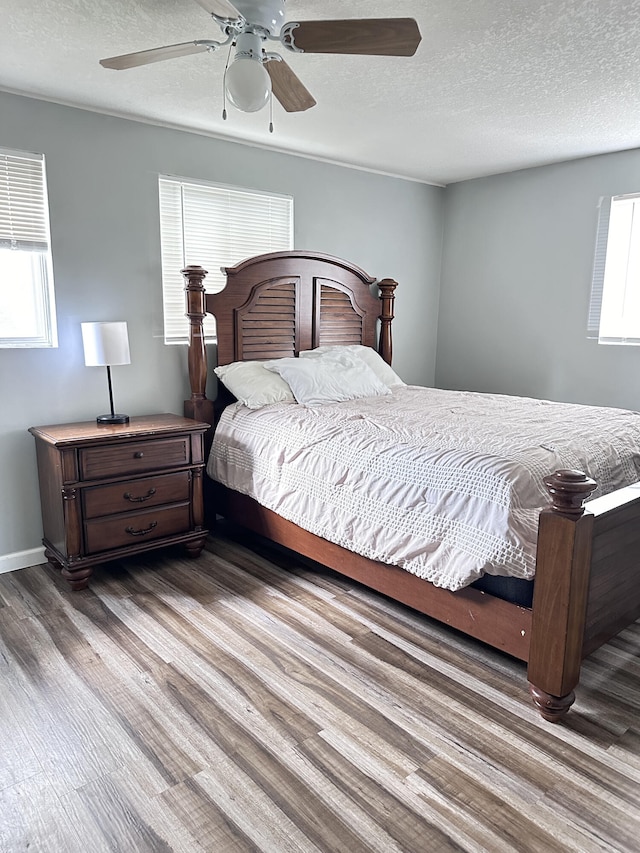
(106, 344)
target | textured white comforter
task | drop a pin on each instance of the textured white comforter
(446, 484)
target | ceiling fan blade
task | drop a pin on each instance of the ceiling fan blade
(288, 88)
(365, 36)
(156, 54)
(220, 8)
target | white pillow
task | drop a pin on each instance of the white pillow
(382, 370)
(319, 380)
(254, 385)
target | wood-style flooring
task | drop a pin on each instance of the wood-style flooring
(248, 701)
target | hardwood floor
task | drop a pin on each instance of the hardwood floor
(246, 701)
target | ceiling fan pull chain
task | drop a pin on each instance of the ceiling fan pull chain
(271, 111)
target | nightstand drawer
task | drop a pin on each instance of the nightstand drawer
(134, 457)
(136, 494)
(104, 534)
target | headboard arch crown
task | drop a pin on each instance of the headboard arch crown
(282, 303)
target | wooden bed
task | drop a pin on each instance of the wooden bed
(587, 584)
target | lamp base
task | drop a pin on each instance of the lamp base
(112, 419)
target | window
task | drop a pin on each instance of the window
(614, 311)
(213, 226)
(27, 309)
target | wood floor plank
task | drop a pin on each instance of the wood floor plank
(499, 819)
(117, 822)
(68, 731)
(33, 819)
(276, 764)
(627, 748)
(408, 823)
(253, 814)
(209, 826)
(296, 723)
(248, 702)
(326, 699)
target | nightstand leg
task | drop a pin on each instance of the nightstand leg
(51, 558)
(194, 548)
(78, 578)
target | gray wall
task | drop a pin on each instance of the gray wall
(516, 280)
(102, 177)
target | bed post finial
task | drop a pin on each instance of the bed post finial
(198, 407)
(569, 489)
(387, 297)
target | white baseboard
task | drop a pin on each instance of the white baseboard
(21, 559)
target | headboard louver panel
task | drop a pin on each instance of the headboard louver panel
(339, 322)
(266, 323)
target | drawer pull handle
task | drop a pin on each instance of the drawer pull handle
(141, 532)
(129, 497)
(138, 454)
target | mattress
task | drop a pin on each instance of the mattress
(445, 484)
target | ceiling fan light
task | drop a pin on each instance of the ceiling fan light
(247, 84)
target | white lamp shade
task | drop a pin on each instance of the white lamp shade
(105, 344)
(247, 84)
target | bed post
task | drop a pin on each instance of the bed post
(561, 588)
(198, 406)
(385, 344)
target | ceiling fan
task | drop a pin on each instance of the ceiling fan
(255, 73)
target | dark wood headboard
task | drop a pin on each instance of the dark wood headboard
(280, 304)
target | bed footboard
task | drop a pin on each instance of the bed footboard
(614, 581)
(587, 584)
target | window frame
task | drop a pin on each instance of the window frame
(25, 227)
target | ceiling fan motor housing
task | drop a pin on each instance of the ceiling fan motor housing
(267, 14)
(248, 46)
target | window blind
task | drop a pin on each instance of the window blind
(599, 260)
(23, 202)
(214, 226)
(614, 309)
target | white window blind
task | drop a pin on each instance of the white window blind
(27, 311)
(614, 309)
(213, 226)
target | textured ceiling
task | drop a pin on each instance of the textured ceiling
(496, 85)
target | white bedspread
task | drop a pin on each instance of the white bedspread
(446, 484)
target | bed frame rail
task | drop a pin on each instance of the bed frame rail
(499, 623)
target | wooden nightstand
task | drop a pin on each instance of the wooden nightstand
(112, 490)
